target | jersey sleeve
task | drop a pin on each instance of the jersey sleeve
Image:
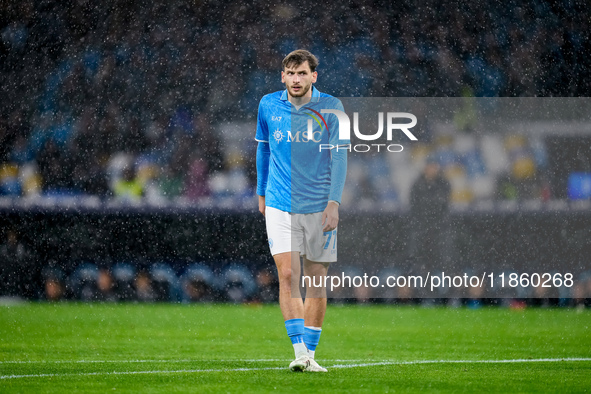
(338, 169)
(263, 154)
(338, 173)
(262, 133)
(333, 125)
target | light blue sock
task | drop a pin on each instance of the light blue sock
(295, 331)
(311, 338)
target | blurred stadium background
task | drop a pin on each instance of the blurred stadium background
(127, 151)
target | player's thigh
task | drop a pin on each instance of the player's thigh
(282, 232)
(316, 284)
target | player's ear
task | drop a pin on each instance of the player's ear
(314, 76)
(282, 77)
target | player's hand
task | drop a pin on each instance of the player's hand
(330, 216)
(262, 205)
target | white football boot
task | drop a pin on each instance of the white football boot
(300, 364)
(314, 367)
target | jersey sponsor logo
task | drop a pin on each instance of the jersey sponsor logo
(298, 136)
(303, 136)
(309, 134)
(306, 136)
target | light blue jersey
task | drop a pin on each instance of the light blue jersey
(301, 178)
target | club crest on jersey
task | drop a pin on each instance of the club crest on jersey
(278, 135)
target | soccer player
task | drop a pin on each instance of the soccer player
(299, 187)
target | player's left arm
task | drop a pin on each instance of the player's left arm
(338, 173)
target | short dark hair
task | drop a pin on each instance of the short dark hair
(300, 56)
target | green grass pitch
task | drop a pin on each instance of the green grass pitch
(70, 347)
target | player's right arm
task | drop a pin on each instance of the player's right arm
(263, 156)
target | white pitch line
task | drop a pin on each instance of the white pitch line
(367, 364)
(157, 361)
(518, 360)
(125, 361)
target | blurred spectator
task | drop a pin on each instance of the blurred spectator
(429, 201)
(105, 285)
(198, 284)
(53, 284)
(19, 151)
(523, 182)
(53, 167)
(129, 188)
(196, 181)
(208, 143)
(17, 266)
(83, 282)
(237, 283)
(397, 294)
(165, 283)
(582, 291)
(9, 183)
(143, 287)
(171, 181)
(124, 277)
(88, 169)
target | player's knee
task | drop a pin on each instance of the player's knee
(285, 274)
(316, 292)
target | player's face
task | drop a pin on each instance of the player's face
(299, 80)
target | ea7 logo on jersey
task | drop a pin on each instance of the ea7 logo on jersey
(276, 118)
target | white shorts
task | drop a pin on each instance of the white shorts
(300, 232)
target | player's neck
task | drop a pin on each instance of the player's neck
(299, 101)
